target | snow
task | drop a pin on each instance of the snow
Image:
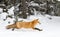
(3, 16)
(11, 11)
(51, 27)
(1, 10)
(58, 0)
(33, 4)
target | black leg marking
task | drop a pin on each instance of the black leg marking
(38, 29)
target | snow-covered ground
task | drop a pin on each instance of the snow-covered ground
(51, 28)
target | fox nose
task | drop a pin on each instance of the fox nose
(39, 22)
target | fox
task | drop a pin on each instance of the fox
(19, 25)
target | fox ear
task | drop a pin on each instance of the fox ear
(37, 19)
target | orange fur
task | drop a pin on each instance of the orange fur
(19, 25)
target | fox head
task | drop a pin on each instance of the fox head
(36, 21)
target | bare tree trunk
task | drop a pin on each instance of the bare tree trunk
(15, 13)
(24, 8)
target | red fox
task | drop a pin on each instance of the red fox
(19, 25)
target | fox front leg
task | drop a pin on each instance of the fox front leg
(37, 29)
